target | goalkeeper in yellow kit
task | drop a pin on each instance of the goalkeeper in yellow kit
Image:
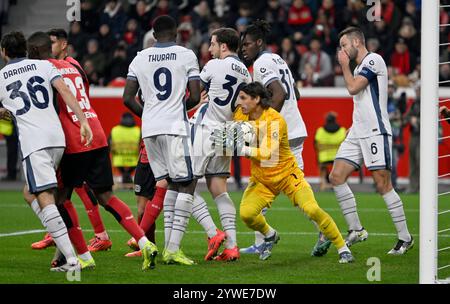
(274, 170)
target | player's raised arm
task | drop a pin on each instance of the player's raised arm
(354, 84)
(129, 97)
(71, 101)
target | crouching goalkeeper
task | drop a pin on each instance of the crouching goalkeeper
(273, 170)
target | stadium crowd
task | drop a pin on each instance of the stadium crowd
(304, 33)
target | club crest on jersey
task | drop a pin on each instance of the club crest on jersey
(371, 62)
(263, 70)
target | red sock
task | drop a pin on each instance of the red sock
(123, 215)
(153, 209)
(150, 234)
(75, 233)
(91, 208)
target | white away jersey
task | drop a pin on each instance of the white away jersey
(26, 91)
(270, 67)
(370, 116)
(223, 79)
(163, 72)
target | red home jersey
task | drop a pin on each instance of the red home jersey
(80, 89)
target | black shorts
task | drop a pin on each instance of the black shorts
(92, 167)
(144, 181)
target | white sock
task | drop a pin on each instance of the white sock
(227, 213)
(201, 214)
(347, 202)
(169, 206)
(343, 249)
(142, 241)
(37, 210)
(58, 230)
(395, 206)
(85, 256)
(181, 215)
(259, 237)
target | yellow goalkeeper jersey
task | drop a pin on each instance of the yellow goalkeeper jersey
(271, 158)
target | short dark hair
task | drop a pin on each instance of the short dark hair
(353, 31)
(258, 30)
(228, 36)
(255, 89)
(14, 44)
(58, 33)
(39, 44)
(164, 24)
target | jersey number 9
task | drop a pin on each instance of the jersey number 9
(165, 88)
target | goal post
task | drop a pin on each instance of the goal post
(429, 108)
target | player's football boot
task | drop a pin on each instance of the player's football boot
(177, 257)
(228, 255)
(253, 249)
(356, 236)
(402, 247)
(76, 266)
(134, 254)
(58, 259)
(97, 244)
(133, 244)
(149, 252)
(268, 244)
(85, 265)
(214, 244)
(321, 247)
(47, 241)
(346, 257)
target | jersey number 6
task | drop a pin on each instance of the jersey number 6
(32, 90)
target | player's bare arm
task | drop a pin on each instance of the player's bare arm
(129, 97)
(194, 93)
(354, 84)
(278, 95)
(71, 101)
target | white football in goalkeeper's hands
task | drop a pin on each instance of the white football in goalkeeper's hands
(249, 135)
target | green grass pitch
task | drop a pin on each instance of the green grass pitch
(290, 262)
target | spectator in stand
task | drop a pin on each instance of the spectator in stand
(445, 112)
(306, 77)
(328, 11)
(291, 56)
(95, 56)
(133, 37)
(92, 75)
(241, 24)
(105, 39)
(396, 108)
(373, 45)
(200, 16)
(413, 118)
(412, 12)
(300, 18)
(141, 13)
(276, 16)
(444, 75)
(164, 7)
(77, 39)
(115, 17)
(384, 34)
(409, 34)
(89, 16)
(321, 64)
(118, 65)
(391, 14)
(401, 59)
